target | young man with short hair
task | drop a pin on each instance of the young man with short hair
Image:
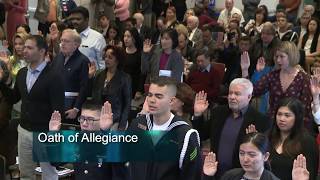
(160, 97)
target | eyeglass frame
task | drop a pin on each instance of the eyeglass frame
(82, 119)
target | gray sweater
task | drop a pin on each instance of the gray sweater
(150, 64)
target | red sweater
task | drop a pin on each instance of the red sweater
(206, 81)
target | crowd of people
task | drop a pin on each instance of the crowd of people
(247, 81)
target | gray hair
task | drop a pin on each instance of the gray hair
(246, 83)
(75, 35)
(195, 19)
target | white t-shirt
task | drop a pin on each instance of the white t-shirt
(164, 126)
(160, 130)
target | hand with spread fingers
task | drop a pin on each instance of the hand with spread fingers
(55, 121)
(261, 64)
(92, 69)
(200, 104)
(251, 129)
(210, 165)
(147, 46)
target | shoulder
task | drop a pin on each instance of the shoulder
(139, 123)
(95, 33)
(233, 174)
(268, 175)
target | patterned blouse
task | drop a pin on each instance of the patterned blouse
(299, 88)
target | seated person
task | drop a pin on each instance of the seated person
(204, 77)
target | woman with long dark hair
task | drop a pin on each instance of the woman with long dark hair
(114, 85)
(132, 63)
(289, 139)
(310, 42)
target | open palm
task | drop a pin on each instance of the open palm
(200, 104)
(147, 46)
(210, 165)
(55, 121)
(299, 170)
(106, 119)
(315, 86)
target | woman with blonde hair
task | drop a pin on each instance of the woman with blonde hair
(286, 81)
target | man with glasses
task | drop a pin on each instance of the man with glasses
(92, 118)
(74, 66)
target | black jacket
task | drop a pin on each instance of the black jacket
(75, 75)
(45, 96)
(117, 92)
(212, 128)
(167, 170)
(236, 174)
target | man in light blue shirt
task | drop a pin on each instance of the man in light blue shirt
(92, 42)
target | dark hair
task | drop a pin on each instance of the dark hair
(218, 28)
(60, 25)
(25, 27)
(261, 10)
(114, 27)
(257, 139)
(136, 37)
(245, 38)
(292, 144)
(132, 20)
(265, 9)
(186, 94)
(91, 105)
(173, 34)
(206, 28)
(117, 52)
(164, 81)
(41, 43)
(314, 41)
(81, 10)
(172, 8)
(282, 11)
(5, 70)
(204, 52)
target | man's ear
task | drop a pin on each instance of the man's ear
(172, 99)
(266, 156)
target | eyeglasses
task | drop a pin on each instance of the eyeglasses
(82, 119)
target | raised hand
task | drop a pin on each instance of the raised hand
(55, 121)
(245, 61)
(92, 69)
(147, 46)
(200, 103)
(106, 117)
(261, 64)
(245, 64)
(251, 129)
(299, 170)
(210, 165)
(315, 87)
